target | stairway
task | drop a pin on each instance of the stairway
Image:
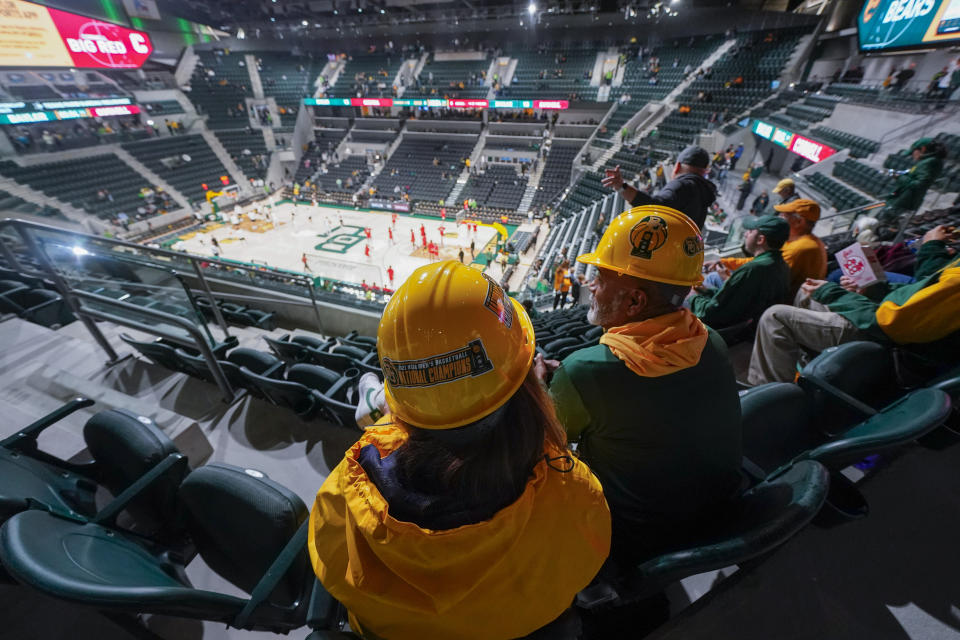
(532, 183)
(151, 177)
(238, 176)
(669, 101)
(255, 83)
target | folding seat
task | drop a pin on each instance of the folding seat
(752, 526)
(310, 390)
(247, 528)
(122, 447)
(783, 424)
(41, 306)
(8, 286)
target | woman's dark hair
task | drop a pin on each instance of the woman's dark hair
(480, 466)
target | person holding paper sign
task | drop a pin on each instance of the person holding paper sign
(924, 314)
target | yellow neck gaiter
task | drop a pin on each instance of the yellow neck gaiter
(658, 346)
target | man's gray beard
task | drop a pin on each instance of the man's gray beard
(598, 315)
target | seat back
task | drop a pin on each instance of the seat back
(331, 390)
(864, 370)
(125, 446)
(291, 395)
(158, 351)
(258, 362)
(286, 350)
(240, 521)
(777, 423)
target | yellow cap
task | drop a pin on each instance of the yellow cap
(651, 242)
(454, 347)
(786, 182)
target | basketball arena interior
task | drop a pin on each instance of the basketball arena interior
(226, 226)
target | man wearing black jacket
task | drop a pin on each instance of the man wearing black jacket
(689, 192)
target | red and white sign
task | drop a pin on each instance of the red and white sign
(371, 102)
(860, 263)
(810, 149)
(551, 104)
(119, 110)
(96, 44)
(469, 104)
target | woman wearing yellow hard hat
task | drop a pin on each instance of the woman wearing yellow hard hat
(463, 502)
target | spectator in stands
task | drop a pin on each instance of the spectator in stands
(924, 314)
(904, 76)
(745, 188)
(760, 204)
(470, 472)
(689, 192)
(757, 284)
(912, 185)
(803, 252)
(787, 190)
(665, 463)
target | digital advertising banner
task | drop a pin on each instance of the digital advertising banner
(908, 24)
(437, 102)
(32, 35)
(795, 143)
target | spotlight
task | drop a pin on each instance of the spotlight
(532, 8)
(304, 23)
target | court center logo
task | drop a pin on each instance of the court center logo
(647, 236)
(467, 362)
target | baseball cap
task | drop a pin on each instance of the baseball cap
(774, 228)
(804, 207)
(786, 182)
(695, 157)
(922, 142)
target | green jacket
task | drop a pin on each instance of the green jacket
(909, 189)
(761, 283)
(666, 449)
(861, 310)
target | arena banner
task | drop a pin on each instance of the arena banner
(804, 147)
(908, 24)
(437, 102)
(32, 35)
(22, 113)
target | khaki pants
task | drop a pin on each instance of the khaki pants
(782, 332)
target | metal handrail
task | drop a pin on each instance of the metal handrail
(178, 259)
(199, 340)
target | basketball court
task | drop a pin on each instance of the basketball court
(335, 241)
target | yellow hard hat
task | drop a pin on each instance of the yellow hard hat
(651, 242)
(454, 347)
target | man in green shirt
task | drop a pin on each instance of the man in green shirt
(760, 283)
(654, 407)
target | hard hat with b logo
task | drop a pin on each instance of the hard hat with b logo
(454, 347)
(651, 242)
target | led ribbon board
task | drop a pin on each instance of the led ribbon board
(804, 147)
(437, 102)
(905, 24)
(50, 111)
(32, 35)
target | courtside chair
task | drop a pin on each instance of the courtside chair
(247, 528)
(756, 522)
(121, 448)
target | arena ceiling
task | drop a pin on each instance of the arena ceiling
(229, 15)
